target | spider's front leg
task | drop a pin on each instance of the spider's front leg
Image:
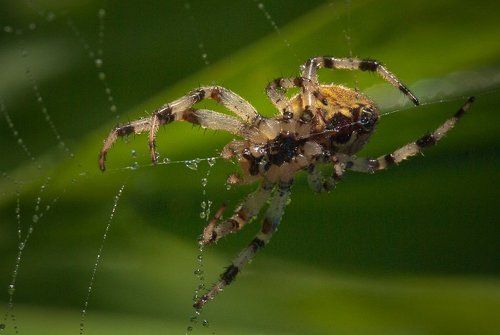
(245, 212)
(411, 149)
(269, 226)
(181, 110)
(310, 69)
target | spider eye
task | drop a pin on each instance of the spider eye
(367, 117)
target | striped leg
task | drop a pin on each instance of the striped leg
(310, 69)
(276, 90)
(318, 183)
(181, 110)
(269, 226)
(407, 151)
(243, 214)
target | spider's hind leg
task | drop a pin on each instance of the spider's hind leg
(269, 226)
(243, 214)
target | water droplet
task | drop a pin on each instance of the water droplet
(261, 5)
(35, 218)
(166, 160)
(134, 166)
(204, 182)
(21, 246)
(201, 286)
(205, 323)
(20, 141)
(203, 215)
(133, 153)
(8, 29)
(211, 161)
(189, 329)
(102, 13)
(30, 230)
(11, 289)
(113, 108)
(199, 257)
(50, 16)
(2, 326)
(102, 75)
(98, 62)
(203, 204)
(193, 319)
(32, 26)
(228, 187)
(192, 164)
(198, 271)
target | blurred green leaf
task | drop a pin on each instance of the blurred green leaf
(410, 250)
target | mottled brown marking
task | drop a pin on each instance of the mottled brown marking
(216, 95)
(328, 62)
(267, 226)
(389, 159)
(125, 130)
(257, 244)
(242, 214)
(368, 65)
(426, 141)
(230, 274)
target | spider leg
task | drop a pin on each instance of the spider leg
(411, 149)
(243, 214)
(134, 127)
(310, 69)
(318, 183)
(269, 226)
(276, 90)
(180, 110)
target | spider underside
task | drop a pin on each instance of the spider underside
(321, 124)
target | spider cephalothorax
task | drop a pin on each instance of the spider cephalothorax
(340, 121)
(321, 124)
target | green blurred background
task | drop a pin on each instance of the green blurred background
(413, 250)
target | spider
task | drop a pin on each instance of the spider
(321, 124)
